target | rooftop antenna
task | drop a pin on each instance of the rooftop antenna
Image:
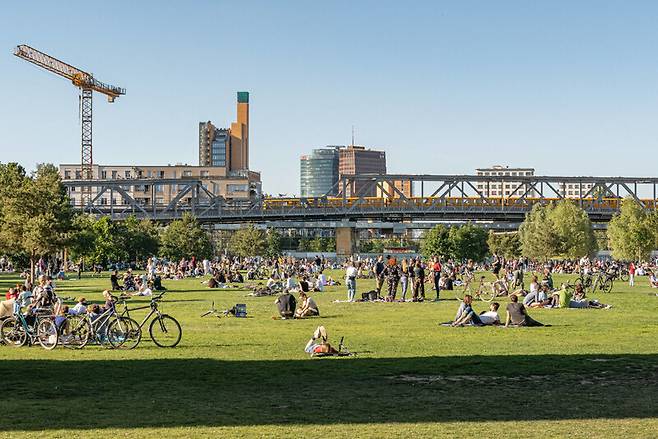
(352, 135)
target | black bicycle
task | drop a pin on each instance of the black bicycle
(165, 331)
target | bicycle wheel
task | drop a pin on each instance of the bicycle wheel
(75, 333)
(624, 276)
(47, 334)
(124, 332)
(606, 286)
(165, 331)
(13, 333)
(485, 294)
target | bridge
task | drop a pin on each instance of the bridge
(440, 198)
(497, 202)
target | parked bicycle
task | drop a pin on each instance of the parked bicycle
(107, 329)
(38, 327)
(165, 331)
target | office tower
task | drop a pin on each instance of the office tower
(319, 172)
(357, 160)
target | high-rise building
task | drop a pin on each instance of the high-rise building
(214, 144)
(319, 172)
(504, 189)
(224, 147)
(357, 160)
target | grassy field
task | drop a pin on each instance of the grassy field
(593, 373)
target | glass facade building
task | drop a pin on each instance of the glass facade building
(319, 172)
(218, 148)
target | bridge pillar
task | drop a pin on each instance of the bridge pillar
(345, 241)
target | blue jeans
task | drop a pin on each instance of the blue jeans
(351, 288)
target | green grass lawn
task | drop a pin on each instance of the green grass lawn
(593, 373)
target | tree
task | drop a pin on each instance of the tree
(36, 213)
(506, 244)
(273, 243)
(185, 238)
(436, 242)
(468, 242)
(560, 229)
(248, 241)
(632, 232)
(141, 237)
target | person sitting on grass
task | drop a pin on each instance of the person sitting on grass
(653, 279)
(114, 281)
(577, 300)
(490, 317)
(286, 304)
(307, 307)
(80, 307)
(517, 315)
(466, 314)
(144, 290)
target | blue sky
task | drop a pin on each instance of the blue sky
(570, 88)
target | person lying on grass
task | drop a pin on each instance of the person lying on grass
(577, 300)
(517, 315)
(319, 344)
(307, 307)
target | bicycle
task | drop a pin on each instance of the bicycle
(602, 282)
(484, 291)
(17, 332)
(106, 328)
(165, 331)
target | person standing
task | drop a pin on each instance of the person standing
(436, 276)
(379, 274)
(419, 282)
(404, 279)
(392, 278)
(350, 281)
(631, 274)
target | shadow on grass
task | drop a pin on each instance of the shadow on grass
(206, 392)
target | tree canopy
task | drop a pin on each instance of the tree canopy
(559, 229)
(185, 238)
(464, 242)
(632, 232)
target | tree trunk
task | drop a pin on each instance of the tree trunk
(32, 267)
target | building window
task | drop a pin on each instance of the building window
(114, 175)
(67, 175)
(187, 173)
(78, 175)
(104, 175)
(127, 174)
(204, 173)
(237, 188)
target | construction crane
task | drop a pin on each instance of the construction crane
(87, 85)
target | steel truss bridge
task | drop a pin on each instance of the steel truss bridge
(439, 198)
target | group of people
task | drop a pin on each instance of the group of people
(288, 307)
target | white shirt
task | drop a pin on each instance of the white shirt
(350, 272)
(322, 279)
(489, 317)
(79, 308)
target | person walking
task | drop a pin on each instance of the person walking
(631, 274)
(350, 281)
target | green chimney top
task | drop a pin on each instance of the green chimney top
(243, 97)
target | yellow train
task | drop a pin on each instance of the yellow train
(337, 202)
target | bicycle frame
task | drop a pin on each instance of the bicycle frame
(154, 310)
